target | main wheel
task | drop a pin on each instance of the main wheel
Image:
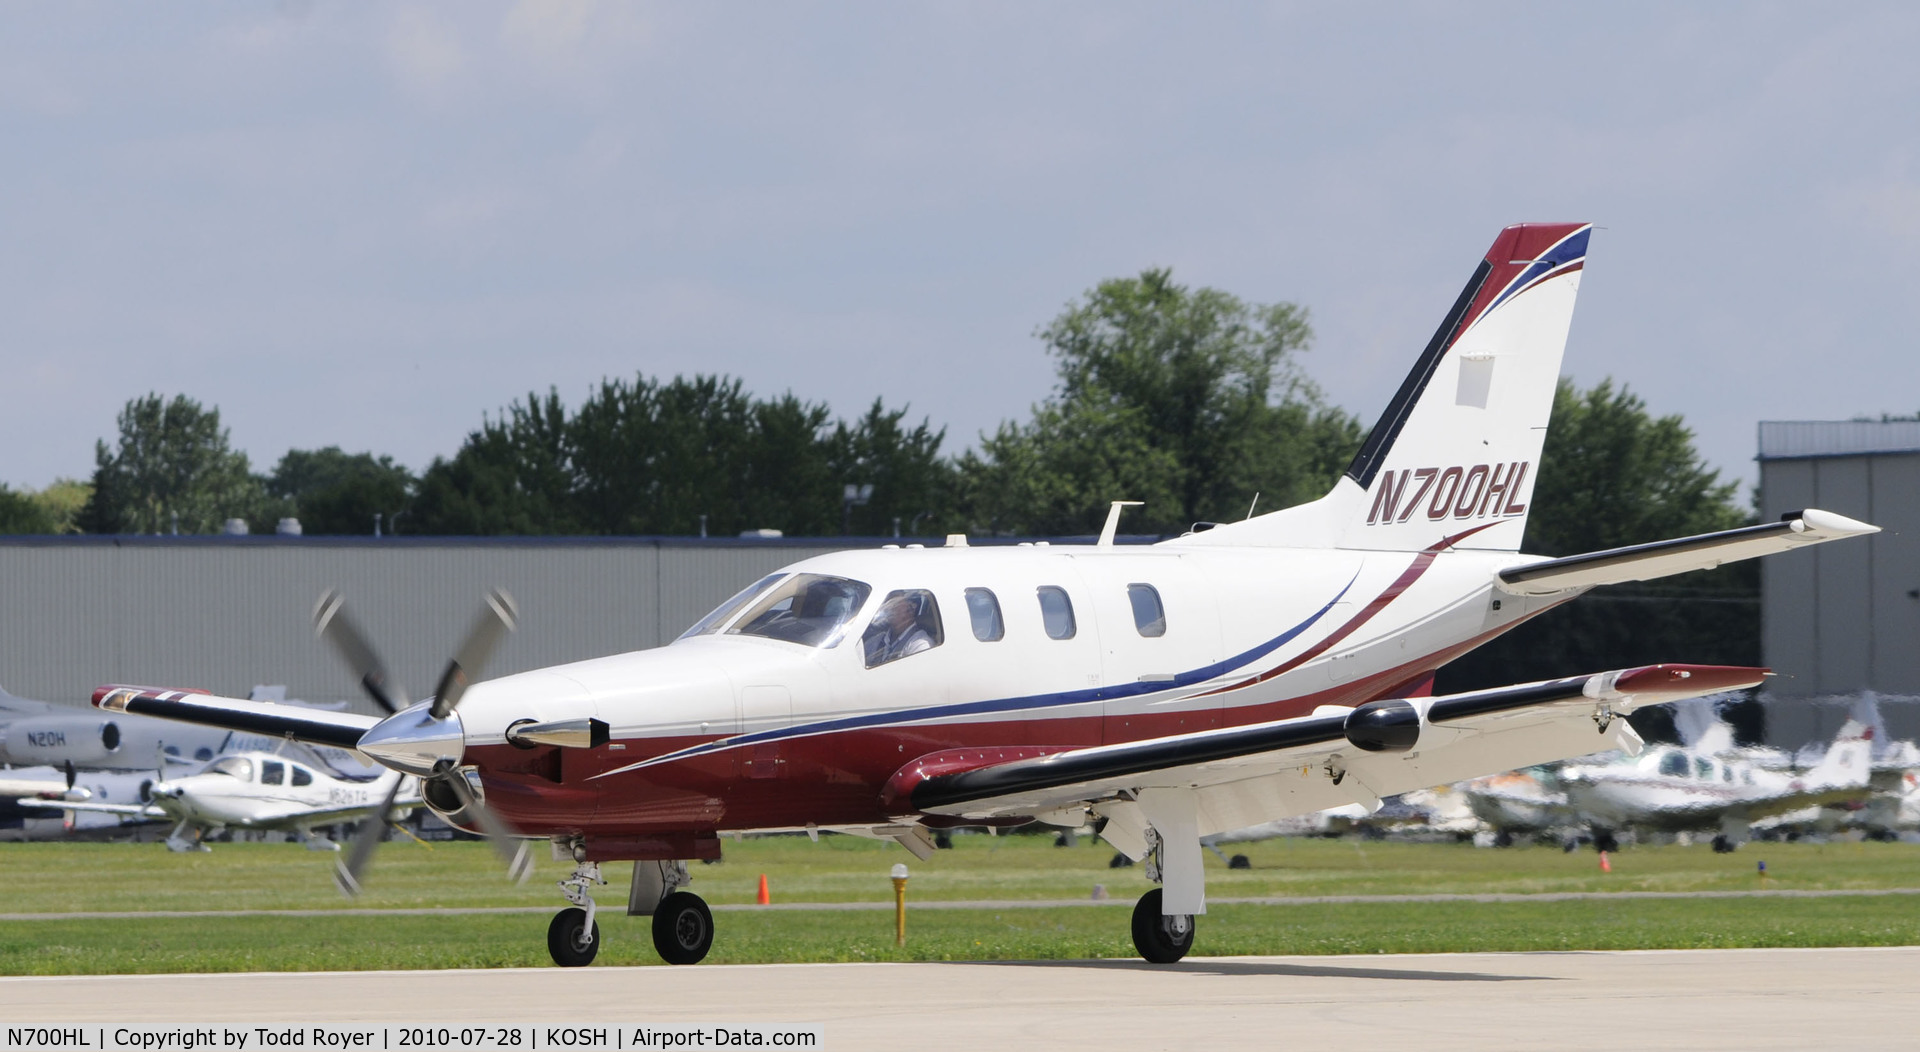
(682, 928)
(1159, 938)
(569, 940)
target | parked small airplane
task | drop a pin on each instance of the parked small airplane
(257, 790)
(1239, 673)
(1674, 789)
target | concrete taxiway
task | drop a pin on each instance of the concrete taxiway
(1797, 999)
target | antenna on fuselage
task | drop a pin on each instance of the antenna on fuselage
(1113, 522)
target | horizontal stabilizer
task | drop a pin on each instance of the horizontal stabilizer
(1644, 562)
(342, 730)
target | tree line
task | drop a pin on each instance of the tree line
(1189, 399)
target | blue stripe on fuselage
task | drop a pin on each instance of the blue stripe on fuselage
(978, 708)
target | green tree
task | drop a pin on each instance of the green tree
(512, 477)
(334, 492)
(171, 469)
(643, 456)
(912, 484)
(21, 513)
(1612, 474)
(1187, 399)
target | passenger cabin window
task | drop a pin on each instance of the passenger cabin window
(1674, 764)
(1703, 768)
(717, 620)
(302, 776)
(807, 608)
(1056, 612)
(273, 772)
(907, 623)
(984, 608)
(1148, 615)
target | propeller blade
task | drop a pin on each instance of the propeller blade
(331, 622)
(496, 619)
(509, 845)
(71, 774)
(348, 871)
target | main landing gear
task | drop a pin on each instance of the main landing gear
(682, 923)
(1162, 937)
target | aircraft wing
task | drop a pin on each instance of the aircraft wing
(1242, 776)
(1643, 562)
(342, 730)
(125, 810)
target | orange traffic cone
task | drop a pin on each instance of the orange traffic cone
(764, 898)
(1605, 867)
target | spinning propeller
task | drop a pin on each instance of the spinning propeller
(496, 618)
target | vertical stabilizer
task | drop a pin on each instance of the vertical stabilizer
(1457, 452)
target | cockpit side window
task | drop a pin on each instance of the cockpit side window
(1056, 612)
(1703, 768)
(1149, 617)
(983, 607)
(238, 766)
(273, 772)
(1674, 765)
(807, 608)
(907, 623)
(717, 620)
(302, 776)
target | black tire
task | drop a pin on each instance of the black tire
(1239, 862)
(1603, 840)
(1722, 846)
(1119, 861)
(682, 928)
(571, 945)
(1503, 839)
(1159, 938)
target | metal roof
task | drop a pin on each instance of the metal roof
(1794, 439)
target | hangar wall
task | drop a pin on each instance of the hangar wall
(225, 613)
(1841, 619)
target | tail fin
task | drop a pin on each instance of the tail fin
(1458, 449)
(1848, 760)
(1455, 456)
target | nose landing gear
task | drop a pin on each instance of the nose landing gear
(573, 939)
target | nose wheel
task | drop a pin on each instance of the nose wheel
(572, 938)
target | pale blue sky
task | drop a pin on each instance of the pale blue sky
(366, 224)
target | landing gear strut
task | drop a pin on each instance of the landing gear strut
(573, 938)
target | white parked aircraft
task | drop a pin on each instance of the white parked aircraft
(1675, 789)
(1237, 674)
(256, 790)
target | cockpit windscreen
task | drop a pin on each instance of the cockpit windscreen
(717, 620)
(808, 609)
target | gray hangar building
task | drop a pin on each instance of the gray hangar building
(1841, 620)
(226, 613)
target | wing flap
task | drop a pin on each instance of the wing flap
(341, 730)
(1644, 562)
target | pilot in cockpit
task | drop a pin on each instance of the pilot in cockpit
(896, 632)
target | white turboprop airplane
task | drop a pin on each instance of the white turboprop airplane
(1234, 675)
(256, 790)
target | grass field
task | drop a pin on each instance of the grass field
(54, 878)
